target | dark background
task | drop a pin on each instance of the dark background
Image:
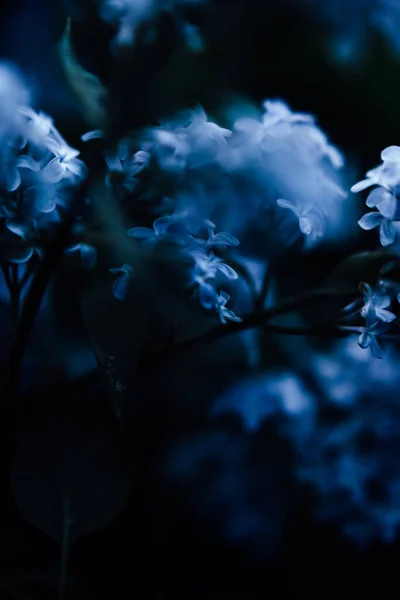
(160, 546)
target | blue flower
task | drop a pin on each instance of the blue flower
(207, 266)
(23, 250)
(370, 334)
(224, 313)
(311, 221)
(178, 228)
(387, 204)
(386, 175)
(220, 239)
(375, 304)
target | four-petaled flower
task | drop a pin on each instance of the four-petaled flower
(369, 336)
(377, 317)
(382, 219)
(376, 303)
(384, 197)
(311, 220)
(65, 164)
(207, 266)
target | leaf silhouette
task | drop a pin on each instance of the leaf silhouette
(89, 92)
(69, 480)
(362, 266)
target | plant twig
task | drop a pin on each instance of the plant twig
(265, 288)
(51, 257)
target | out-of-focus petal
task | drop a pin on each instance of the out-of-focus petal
(120, 287)
(54, 171)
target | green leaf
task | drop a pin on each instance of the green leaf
(362, 266)
(90, 93)
(69, 479)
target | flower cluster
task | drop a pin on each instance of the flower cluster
(373, 307)
(238, 176)
(37, 170)
(342, 426)
(207, 270)
(226, 178)
(386, 181)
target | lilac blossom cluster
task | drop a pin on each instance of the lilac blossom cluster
(238, 176)
(38, 169)
(230, 179)
(386, 182)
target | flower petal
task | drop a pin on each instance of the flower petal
(141, 233)
(230, 315)
(391, 153)
(120, 287)
(113, 162)
(376, 349)
(92, 135)
(287, 204)
(88, 256)
(21, 255)
(227, 271)
(54, 170)
(305, 225)
(370, 220)
(377, 196)
(364, 340)
(13, 180)
(28, 162)
(17, 227)
(387, 233)
(207, 295)
(385, 315)
(363, 185)
(223, 239)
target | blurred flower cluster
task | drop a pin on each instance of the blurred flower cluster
(341, 422)
(351, 24)
(130, 16)
(197, 177)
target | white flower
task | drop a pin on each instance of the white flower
(311, 221)
(224, 313)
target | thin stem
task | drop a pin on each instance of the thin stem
(7, 278)
(11, 279)
(62, 590)
(261, 320)
(51, 257)
(252, 321)
(15, 293)
(265, 287)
